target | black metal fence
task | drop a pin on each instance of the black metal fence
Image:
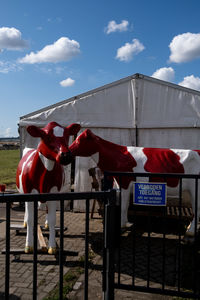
(151, 254)
(86, 196)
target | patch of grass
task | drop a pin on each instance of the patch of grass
(9, 160)
(69, 280)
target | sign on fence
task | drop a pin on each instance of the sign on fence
(148, 193)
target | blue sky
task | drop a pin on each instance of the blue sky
(53, 50)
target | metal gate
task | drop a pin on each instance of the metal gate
(86, 196)
(151, 255)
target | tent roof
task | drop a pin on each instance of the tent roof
(136, 100)
(134, 76)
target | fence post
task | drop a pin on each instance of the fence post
(7, 262)
(109, 247)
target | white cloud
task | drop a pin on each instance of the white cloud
(63, 49)
(191, 82)
(8, 132)
(11, 39)
(166, 74)
(126, 52)
(113, 26)
(67, 82)
(185, 47)
(6, 67)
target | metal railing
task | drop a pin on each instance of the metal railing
(85, 196)
(147, 261)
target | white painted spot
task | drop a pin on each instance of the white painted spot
(23, 166)
(48, 164)
(26, 150)
(95, 157)
(58, 131)
(139, 156)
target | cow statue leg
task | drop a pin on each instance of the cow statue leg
(29, 207)
(125, 198)
(46, 225)
(25, 216)
(51, 223)
(43, 206)
(190, 233)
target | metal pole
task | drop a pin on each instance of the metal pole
(109, 247)
(7, 277)
(179, 239)
(35, 250)
(86, 249)
(195, 239)
(61, 249)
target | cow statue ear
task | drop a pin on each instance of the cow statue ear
(35, 131)
(89, 134)
(73, 129)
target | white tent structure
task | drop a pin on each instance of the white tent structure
(137, 110)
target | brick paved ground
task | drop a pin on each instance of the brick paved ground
(21, 271)
(48, 270)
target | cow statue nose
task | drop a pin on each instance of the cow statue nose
(66, 158)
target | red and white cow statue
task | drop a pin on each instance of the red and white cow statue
(112, 157)
(40, 171)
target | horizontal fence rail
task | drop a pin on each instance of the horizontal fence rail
(147, 261)
(85, 196)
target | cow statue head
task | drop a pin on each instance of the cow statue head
(54, 140)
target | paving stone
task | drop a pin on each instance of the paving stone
(49, 287)
(12, 290)
(25, 296)
(21, 284)
(77, 285)
(48, 268)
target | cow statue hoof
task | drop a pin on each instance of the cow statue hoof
(28, 249)
(52, 250)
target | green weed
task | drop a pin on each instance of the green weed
(69, 280)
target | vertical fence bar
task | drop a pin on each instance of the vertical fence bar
(86, 249)
(120, 214)
(109, 245)
(35, 249)
(61, 249)
(164, 246)
(179, 234)
(195, 238)
(134, 253)
(164, 254)
(148, 251)
(7, 261)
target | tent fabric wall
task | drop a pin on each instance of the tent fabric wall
(177, 138)
(137, 110)
(166, 106)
